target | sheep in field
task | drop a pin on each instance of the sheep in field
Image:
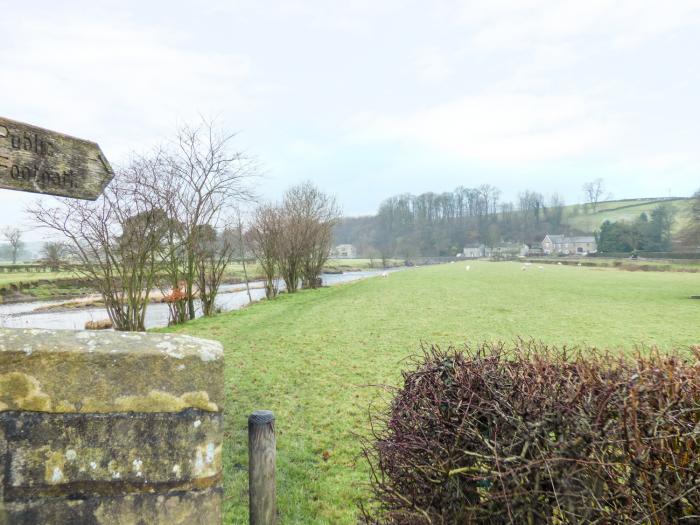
(469, 267)
(385, 274)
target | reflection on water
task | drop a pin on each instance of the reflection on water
(231, 297)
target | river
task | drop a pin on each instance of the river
(231, 297)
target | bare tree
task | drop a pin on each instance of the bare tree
(214, 252)
(308, 217)
(264, 239)
(594, 191)
(203, 180)
(555, 212)
(13, 236)
(53, 254)
(114, 241)
(318, 212)
(242, 252)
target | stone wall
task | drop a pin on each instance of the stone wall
(109, 428)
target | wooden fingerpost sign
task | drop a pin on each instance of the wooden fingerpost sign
(41, 161)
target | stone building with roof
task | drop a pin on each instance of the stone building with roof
(569, 245)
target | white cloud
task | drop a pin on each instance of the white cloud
(500, 128)
(307, 150)
(88, 72)
(433, 65)
(511, 24)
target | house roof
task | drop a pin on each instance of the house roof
(556, 238)
(561, 239)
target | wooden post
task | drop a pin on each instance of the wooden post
(261, 468)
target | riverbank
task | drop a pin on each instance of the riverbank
(23, 287)
(90, 310)
(316, 358)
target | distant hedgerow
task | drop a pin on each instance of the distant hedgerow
(530, 434)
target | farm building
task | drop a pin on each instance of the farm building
(344, 251)
(511, 249)
(474, 251)
(565, 245)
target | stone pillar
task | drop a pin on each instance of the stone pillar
(109, 428)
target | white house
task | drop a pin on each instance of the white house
(474, 251)
(511, 249)
(344, 251)
(565, 245)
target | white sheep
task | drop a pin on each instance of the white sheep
(385, 274)
(469, 267)
(541, 267)
(524, 268)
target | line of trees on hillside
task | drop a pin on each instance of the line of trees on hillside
(690, 236)
(442, 223)
(646, 233)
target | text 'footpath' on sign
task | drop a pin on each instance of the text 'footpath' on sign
(41, 161)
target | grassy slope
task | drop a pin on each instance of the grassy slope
(311, 357)
(623, 211)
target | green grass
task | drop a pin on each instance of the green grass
(41, 285)
(627, 210)
(314, 357)
(626, 264)
(26, 277)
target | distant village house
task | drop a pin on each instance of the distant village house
(474, 251)
(510, 249)
(344, 251)
(502, 249)
(565, 245)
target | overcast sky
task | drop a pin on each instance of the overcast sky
(372, 98)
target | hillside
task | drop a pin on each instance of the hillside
(577, 217)
(428, 224)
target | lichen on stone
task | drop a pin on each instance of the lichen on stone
(20, 391)
(157, 401)
(207, 460)
(53, 468)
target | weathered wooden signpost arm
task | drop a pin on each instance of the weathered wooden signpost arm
(37, 160)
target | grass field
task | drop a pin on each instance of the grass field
(57, 284)
(26, 277)
(314, 357)
(627, 210)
